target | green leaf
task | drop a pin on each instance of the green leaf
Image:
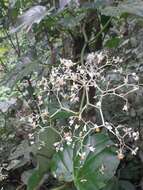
(113, 42)
(44, 156)
(62, 114)
(34, 180)
(48, 136)
(99, 166)
(64, 165)
(3, 50)
(95, 170)
(26, 175)
(38, 174)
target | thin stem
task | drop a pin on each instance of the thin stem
(100, 32)
(85, 44)
(61, 187)
(18, 46)
(82, 100)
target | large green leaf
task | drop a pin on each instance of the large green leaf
(99, 166)
(95, 170)
(38, 174)
(48, 137)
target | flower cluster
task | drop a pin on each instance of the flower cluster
(71, 85)
(72, 82)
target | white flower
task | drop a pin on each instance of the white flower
(74, 76)
(85, 128)
(31, 142)
(83, 180)
(71, 122)
(77, 126)
(117, 59)
(125, 108)
(68, 143)
(98, 104)
(30, 120)
(60, 81)
(74, 98)
(91, 74)
(67, 63)
(108, 126)
(126, 80)
(135, 76)
(82, 155)
(82, 71)
(90, 57)
(102, 169)
(30, 136)
(61, 149)
(100, 57)
(74, 86)
(91, 148)
(134, 152)
(135, 135)
(56, 144)
(68, 139)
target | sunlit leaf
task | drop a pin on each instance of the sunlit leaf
(3, 50)
(33, 15)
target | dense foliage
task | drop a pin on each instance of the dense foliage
(71, 95)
